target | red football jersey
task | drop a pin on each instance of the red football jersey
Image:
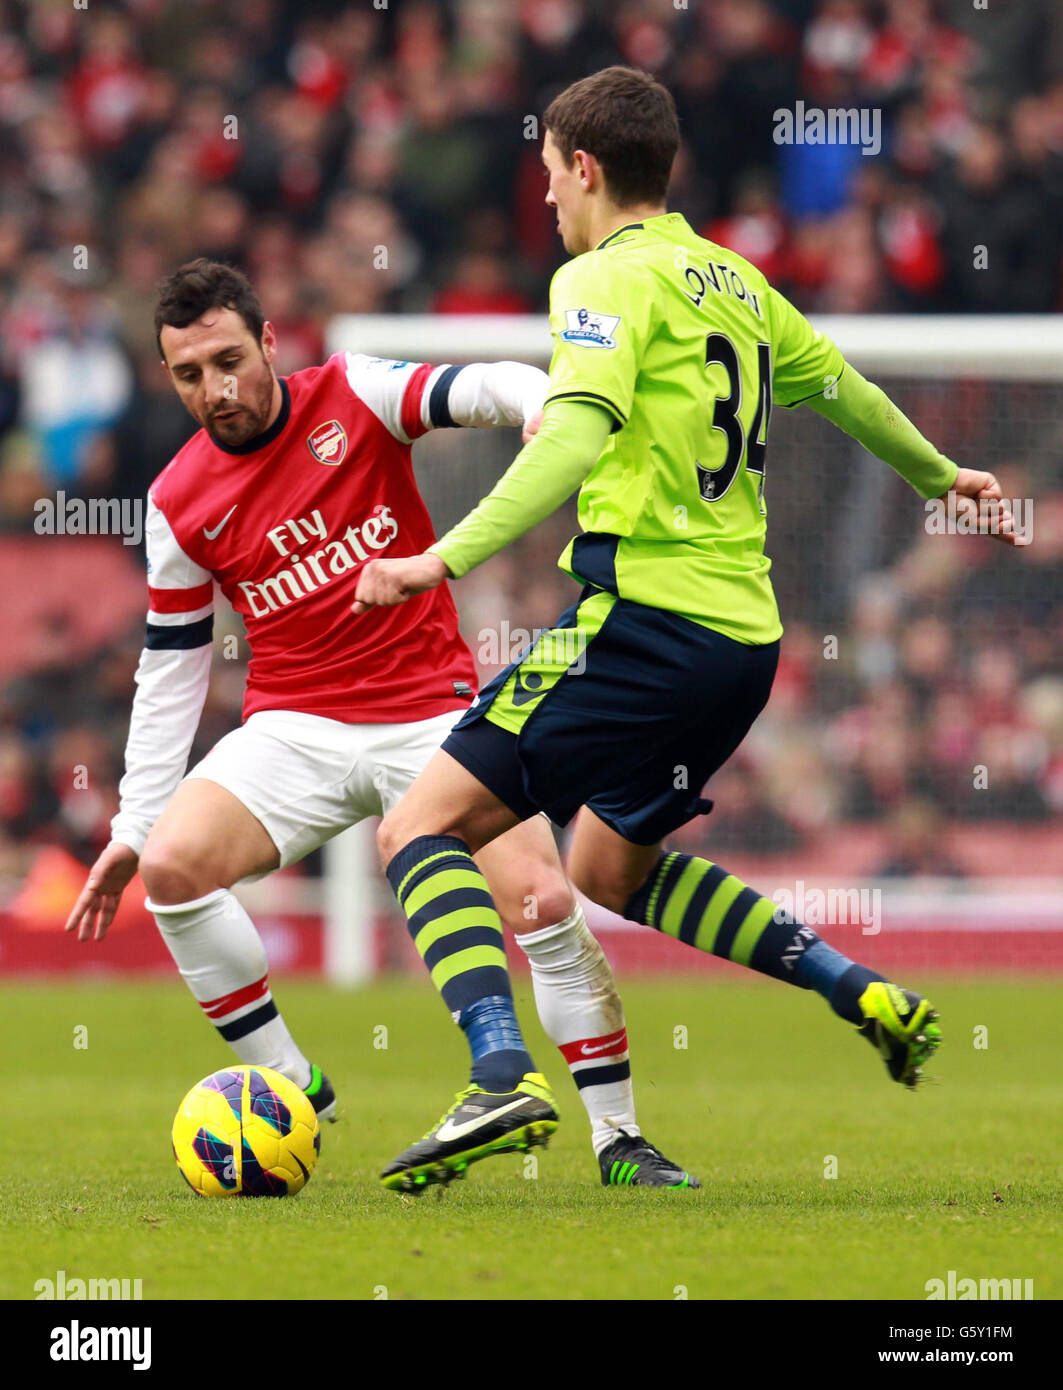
(285, 524)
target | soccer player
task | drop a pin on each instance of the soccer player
(669, 352)
(284, 494)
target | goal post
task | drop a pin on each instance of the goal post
(807, 802)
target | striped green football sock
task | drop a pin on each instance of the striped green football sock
(458, 932)
(703, 905)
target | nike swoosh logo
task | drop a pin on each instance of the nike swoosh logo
(446, 1132)
(211, 534)
(586, 1051)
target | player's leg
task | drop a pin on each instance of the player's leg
(701, 904)
(576, 998)
(575, 991)
(205, 841)
(425, 845)
(549, 732)
(265, 795)
(651, 706)
(474, 790)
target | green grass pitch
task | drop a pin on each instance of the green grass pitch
(964, 1175)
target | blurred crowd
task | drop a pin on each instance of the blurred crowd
(383, 156)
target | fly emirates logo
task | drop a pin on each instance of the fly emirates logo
(305, 569)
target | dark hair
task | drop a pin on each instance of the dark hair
(627, 120)
(200, 285)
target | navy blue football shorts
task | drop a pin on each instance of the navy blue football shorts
(621, 707)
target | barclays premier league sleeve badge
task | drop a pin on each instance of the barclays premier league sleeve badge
(590, 330)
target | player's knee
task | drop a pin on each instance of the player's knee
(544, 901)
(609, 887)
(401, 826)
(171, 874)
(391, 836)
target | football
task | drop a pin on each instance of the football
(246, 1132)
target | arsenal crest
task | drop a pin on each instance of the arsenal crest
(328, 443)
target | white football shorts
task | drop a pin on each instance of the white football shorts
(306, 778)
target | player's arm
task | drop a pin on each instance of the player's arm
(410, 398)
(810, 370)
(597, 348)
(483, 394)
(171, 685)
(547, 470)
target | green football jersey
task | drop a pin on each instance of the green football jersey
(687, 346)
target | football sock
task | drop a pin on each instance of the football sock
(581, 1013)
(704, 906)
(458, 932)
(221, 958)
(836, 977)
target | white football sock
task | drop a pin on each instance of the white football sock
(581, 1013)
(220, 955)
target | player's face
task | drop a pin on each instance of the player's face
(223, 376)
(568, 196)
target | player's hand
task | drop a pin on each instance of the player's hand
(385, 582)
(531, 427)
(978, 495)
(94, 910)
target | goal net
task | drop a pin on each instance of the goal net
(903, 790)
